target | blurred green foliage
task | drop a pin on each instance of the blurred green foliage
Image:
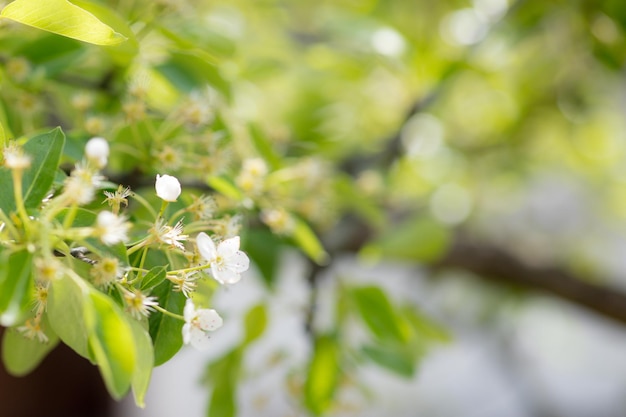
(417, 118)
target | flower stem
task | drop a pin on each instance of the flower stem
(19, 200)
(163, 207)
(193, 268)
(169, 313)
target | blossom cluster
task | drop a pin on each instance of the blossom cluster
(184, 263)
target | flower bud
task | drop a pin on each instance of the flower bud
(167, 187)
(97, 151)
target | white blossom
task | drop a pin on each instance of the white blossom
(227, 262)
(185, 282)
(80, 186)
(32, 330)
(167, 187)
(198, 324)
(111, 228)
(138, 304)
(172, 236)
(97, 151)
(16, 158)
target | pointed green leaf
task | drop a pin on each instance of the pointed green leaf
(52, 54)
(225, 187)
(153, 278)
(394, 358)
(16, 286)
(46, 150)
(63, 18)
(425, 328)
(21, 355)
(193, 70)
(255, 323)
(111, 342)
(264, 248)
(65, 313)
(421, 239)
(145, 362)
(323, 375)
(222, 403)
(379, 315)
(125, 51)
(306, 239)
(264, 146)
(3, 137)
(166, 331)
(223, 375)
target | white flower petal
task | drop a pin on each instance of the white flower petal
(206, 247)
(209, 319)
(224, 275)
(199, 339)
(228, 247)
(186, 333)
(97, 150)
(167, 187)
(238, 262)
(189, 311)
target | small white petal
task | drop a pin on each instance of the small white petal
(206, 247)
(224, 276)
(209, 319)
(228, 247)
(239, 262)
(186, 333)
(200, 339)
(189, 311)
(112, 228)
(97, 150)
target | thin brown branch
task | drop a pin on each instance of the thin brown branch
(497, 265)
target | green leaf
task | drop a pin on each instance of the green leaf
(6, 129)
(226, 368)
(21, 355)
(16, 286)
(255, 323)
(263, 247)
(153, 278)
(193, 70)
(3, 137)
(45, 151)
(222, 403)
(420, 239)
(424, 327)
(378, 314)
(224, 374)
(63, 18)
(124, 52)
(394, 358)
(264, 146)
(306, 239)
(145, 361)
(225, 187)
(166, 331)
(52, 54)
(111, 342)
(323, 375)
(65, 312)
